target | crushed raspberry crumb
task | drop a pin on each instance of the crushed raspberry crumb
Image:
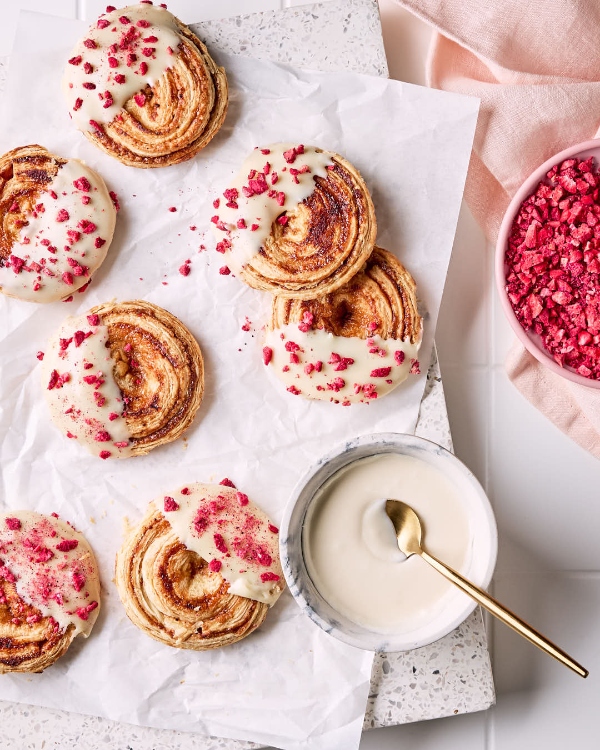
(220, 543)
(40, 355)
(62, 215)
(170, 505)
(67, 545)
(215, 565)
(105, 454)
(242, 499)
(224, 270)
(399, 357)
(227, 483)
(13, 523)
(273, 529)
(185, 269)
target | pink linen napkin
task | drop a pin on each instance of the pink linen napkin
(535, 65)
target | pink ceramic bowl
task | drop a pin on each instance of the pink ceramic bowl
(530, 340)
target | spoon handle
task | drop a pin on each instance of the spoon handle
(504, 614)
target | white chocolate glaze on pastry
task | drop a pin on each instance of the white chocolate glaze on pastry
(84, 399)
(233, 535)
(343, 369)
(128, 49)
(271, 181)
(52, 567)
(64, 237)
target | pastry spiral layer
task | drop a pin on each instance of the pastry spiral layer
(123, 379)
(57, 220)
(297, 221)
(49, 590)
(176, 571)
(351, 345)
(144, 89)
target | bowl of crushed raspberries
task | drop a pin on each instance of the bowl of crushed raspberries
(548, 263)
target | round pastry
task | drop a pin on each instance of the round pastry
(123, 379)
(143, 88)
(202, 568)
(352, 345)
(296, 221)
(57, 220)
(49, 589)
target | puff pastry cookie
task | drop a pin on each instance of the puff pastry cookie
(143, 87)
(49, 590)
(123, 379)
(352, 345)
(202, 568)
(57, 220)
(296, 221)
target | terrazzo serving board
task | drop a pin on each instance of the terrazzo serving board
(451, 676)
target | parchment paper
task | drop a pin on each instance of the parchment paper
(288, 685)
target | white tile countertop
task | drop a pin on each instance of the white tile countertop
(549, 562)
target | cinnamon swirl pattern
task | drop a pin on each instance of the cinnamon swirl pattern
(352, 345)
(202, 568)
(123, 379)
(144, 89)
(49, 590)
(57, 220)
(296, 221)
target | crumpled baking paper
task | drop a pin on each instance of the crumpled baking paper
(289, 684)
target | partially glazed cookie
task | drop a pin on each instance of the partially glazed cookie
(143, 88)
(123, 379)
(352, 345)
(297, 221)
(49, 589)
(202, 568)
(57, 220)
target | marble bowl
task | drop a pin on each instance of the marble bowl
(479, 562)
(530, 340)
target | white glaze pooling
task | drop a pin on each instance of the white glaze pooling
(352, 561)
(61, 583)
(268, 184)
(352, 370)
(66, 237)
(116, 76)
(222, 526)
(88, 406)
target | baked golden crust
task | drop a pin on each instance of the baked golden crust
(24, 173)
(171, 594)
(325, 241)
(379, 300)
(181, 114)
(158, 368)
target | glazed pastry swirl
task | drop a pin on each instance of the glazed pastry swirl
(57, 220)
(352, 345)
(144, 88)
(49, 590)
(171, 593)
(123, 379)
(298, 221)
(158, 368)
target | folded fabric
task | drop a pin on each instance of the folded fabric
(536, 68)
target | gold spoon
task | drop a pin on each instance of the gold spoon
(409, 532)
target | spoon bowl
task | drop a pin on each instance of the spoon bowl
(409, 533)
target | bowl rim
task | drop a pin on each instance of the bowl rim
(526, 189)
(373, 640)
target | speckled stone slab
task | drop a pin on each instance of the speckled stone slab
(451, 676)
